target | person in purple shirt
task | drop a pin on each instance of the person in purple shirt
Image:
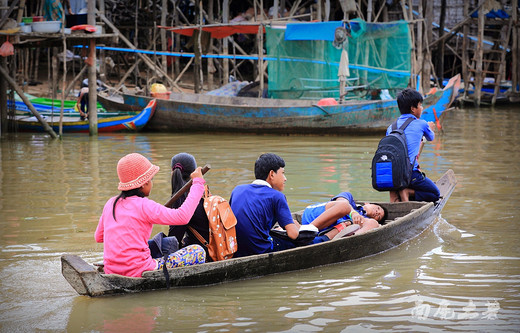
(421, 188)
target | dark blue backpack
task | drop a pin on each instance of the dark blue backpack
(391, 167)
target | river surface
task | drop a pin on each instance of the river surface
(460, 275)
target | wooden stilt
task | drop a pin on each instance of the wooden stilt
(515, 52)
(92, 80)
(3, 98)
(27, 102)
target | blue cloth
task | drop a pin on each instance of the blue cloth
(414, 133)
(311, 212)
(312, 31)
(257, 209)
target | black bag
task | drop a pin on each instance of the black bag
(162, 246)
(391, 167)
(305, 236)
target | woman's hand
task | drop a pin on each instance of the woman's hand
(197, 173)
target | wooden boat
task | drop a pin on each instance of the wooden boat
(195, 112)
(51, 103)
(73, 123)
(52, 110)
(405, 221)
(115, 103)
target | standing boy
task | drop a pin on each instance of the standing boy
(421, 188)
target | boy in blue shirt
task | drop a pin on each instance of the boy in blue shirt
(259, 205)
(421, 188)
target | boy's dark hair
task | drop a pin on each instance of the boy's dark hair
(407, 99)
(385, 214)
(267, 162)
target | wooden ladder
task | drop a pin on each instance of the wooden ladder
(489, 63)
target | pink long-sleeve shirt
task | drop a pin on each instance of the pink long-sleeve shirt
(126, 250)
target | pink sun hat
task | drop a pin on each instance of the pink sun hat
(134, 170)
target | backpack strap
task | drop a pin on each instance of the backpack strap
(199, 236)
(404, 125)
(195, 233)
(402, 128)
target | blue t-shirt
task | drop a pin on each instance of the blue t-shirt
(257, 209)
(313, 211)
(414, 133)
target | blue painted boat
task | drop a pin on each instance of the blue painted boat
(73, 123)
(206, 113)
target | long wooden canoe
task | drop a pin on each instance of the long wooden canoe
(406, 220)
(73, 123)
(207, 113)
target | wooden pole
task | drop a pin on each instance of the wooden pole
(64, 80)
(261, 58)
(27, 102)
(456, 28)
(210, 66)
(225, 41)
(465, 62)
(92, 80)
(420, 46)
(3, 98)
(164, 42)
(440, 49)
(145, 58)
(428, 36)
(478, 56)
(515, 50)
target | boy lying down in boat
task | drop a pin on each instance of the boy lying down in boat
(337, 218)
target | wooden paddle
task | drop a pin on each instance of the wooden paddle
(185, 187)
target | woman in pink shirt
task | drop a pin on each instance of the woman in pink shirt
(127, 220)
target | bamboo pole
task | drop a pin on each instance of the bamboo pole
(27, 102)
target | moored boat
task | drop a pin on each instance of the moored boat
(73, 123)
(406, 220)
(195, 112)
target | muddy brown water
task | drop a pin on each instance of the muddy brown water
(462, 274)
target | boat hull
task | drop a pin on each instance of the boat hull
(72, 124)
(408, 220)
(195, 112)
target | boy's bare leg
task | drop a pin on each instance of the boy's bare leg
(405, 194)
(394, 196)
